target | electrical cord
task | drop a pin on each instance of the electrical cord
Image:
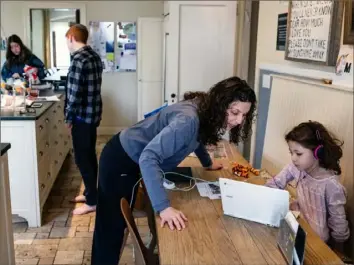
(192, 183)
(131, 199)
(192, 180)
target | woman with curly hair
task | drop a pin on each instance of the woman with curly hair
(17, 57)
(159, 143)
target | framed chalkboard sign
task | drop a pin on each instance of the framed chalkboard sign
(314, 31)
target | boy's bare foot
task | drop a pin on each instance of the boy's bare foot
(80, 198)
(84, 209)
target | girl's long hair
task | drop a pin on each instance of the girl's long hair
(212, 110)
(313, 134)
(11, 58)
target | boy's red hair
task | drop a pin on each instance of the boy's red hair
(79, 32)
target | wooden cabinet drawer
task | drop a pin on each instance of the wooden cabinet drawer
(55, 165)
(44, 177)
(56, 129)
(55, 143)
(43, 149)
(42, 127)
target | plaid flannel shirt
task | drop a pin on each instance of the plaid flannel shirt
(83, 100)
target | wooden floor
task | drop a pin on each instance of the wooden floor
(65, 239)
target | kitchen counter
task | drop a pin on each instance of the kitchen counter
(40, 143)
(10, 115)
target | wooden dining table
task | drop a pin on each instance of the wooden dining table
(212, 238)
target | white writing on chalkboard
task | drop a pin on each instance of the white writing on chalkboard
(309, 30)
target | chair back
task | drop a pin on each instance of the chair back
(141, 253)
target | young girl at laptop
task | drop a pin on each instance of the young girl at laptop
(315, 155)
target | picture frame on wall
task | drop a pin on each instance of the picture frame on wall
(348, 36)
(314, 31)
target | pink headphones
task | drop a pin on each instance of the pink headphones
(319, 148)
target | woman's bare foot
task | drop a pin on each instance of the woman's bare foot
(84, 209)
(80, 198)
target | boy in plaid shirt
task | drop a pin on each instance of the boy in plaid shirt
(83, 111)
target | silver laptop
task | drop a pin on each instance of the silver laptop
(254, 202)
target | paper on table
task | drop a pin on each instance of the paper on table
(50, 98)
(209, 189)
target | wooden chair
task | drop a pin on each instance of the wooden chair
(150, 218)
(143, 208)
(143, 256)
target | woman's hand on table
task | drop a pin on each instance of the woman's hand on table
(173, 218)
(215, 166)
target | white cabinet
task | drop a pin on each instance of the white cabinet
(38, 150)
(150, 64)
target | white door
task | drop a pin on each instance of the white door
(201, 45)
(61, 52)
(150, 64)
(37, 40)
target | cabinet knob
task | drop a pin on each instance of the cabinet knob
(40, 127)
(46, 144)
(60, 154)
(56, 142)
(54, 111)
(46, 120)
(40, 153)
(48, 175)
(56, 162)
(65, 142)
(42, 186)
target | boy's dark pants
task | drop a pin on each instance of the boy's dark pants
(84, 137)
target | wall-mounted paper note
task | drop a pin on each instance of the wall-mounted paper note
(266, 81)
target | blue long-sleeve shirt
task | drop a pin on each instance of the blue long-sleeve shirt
(161, 142)
(34, 61)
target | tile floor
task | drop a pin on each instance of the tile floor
(63, 238)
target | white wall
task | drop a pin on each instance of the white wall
(266, 46)
(119, 90)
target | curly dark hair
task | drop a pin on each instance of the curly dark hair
(212, 110)
(11, 58)
(312, 134)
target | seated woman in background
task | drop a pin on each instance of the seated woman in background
(321, 199)
(17, 57)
